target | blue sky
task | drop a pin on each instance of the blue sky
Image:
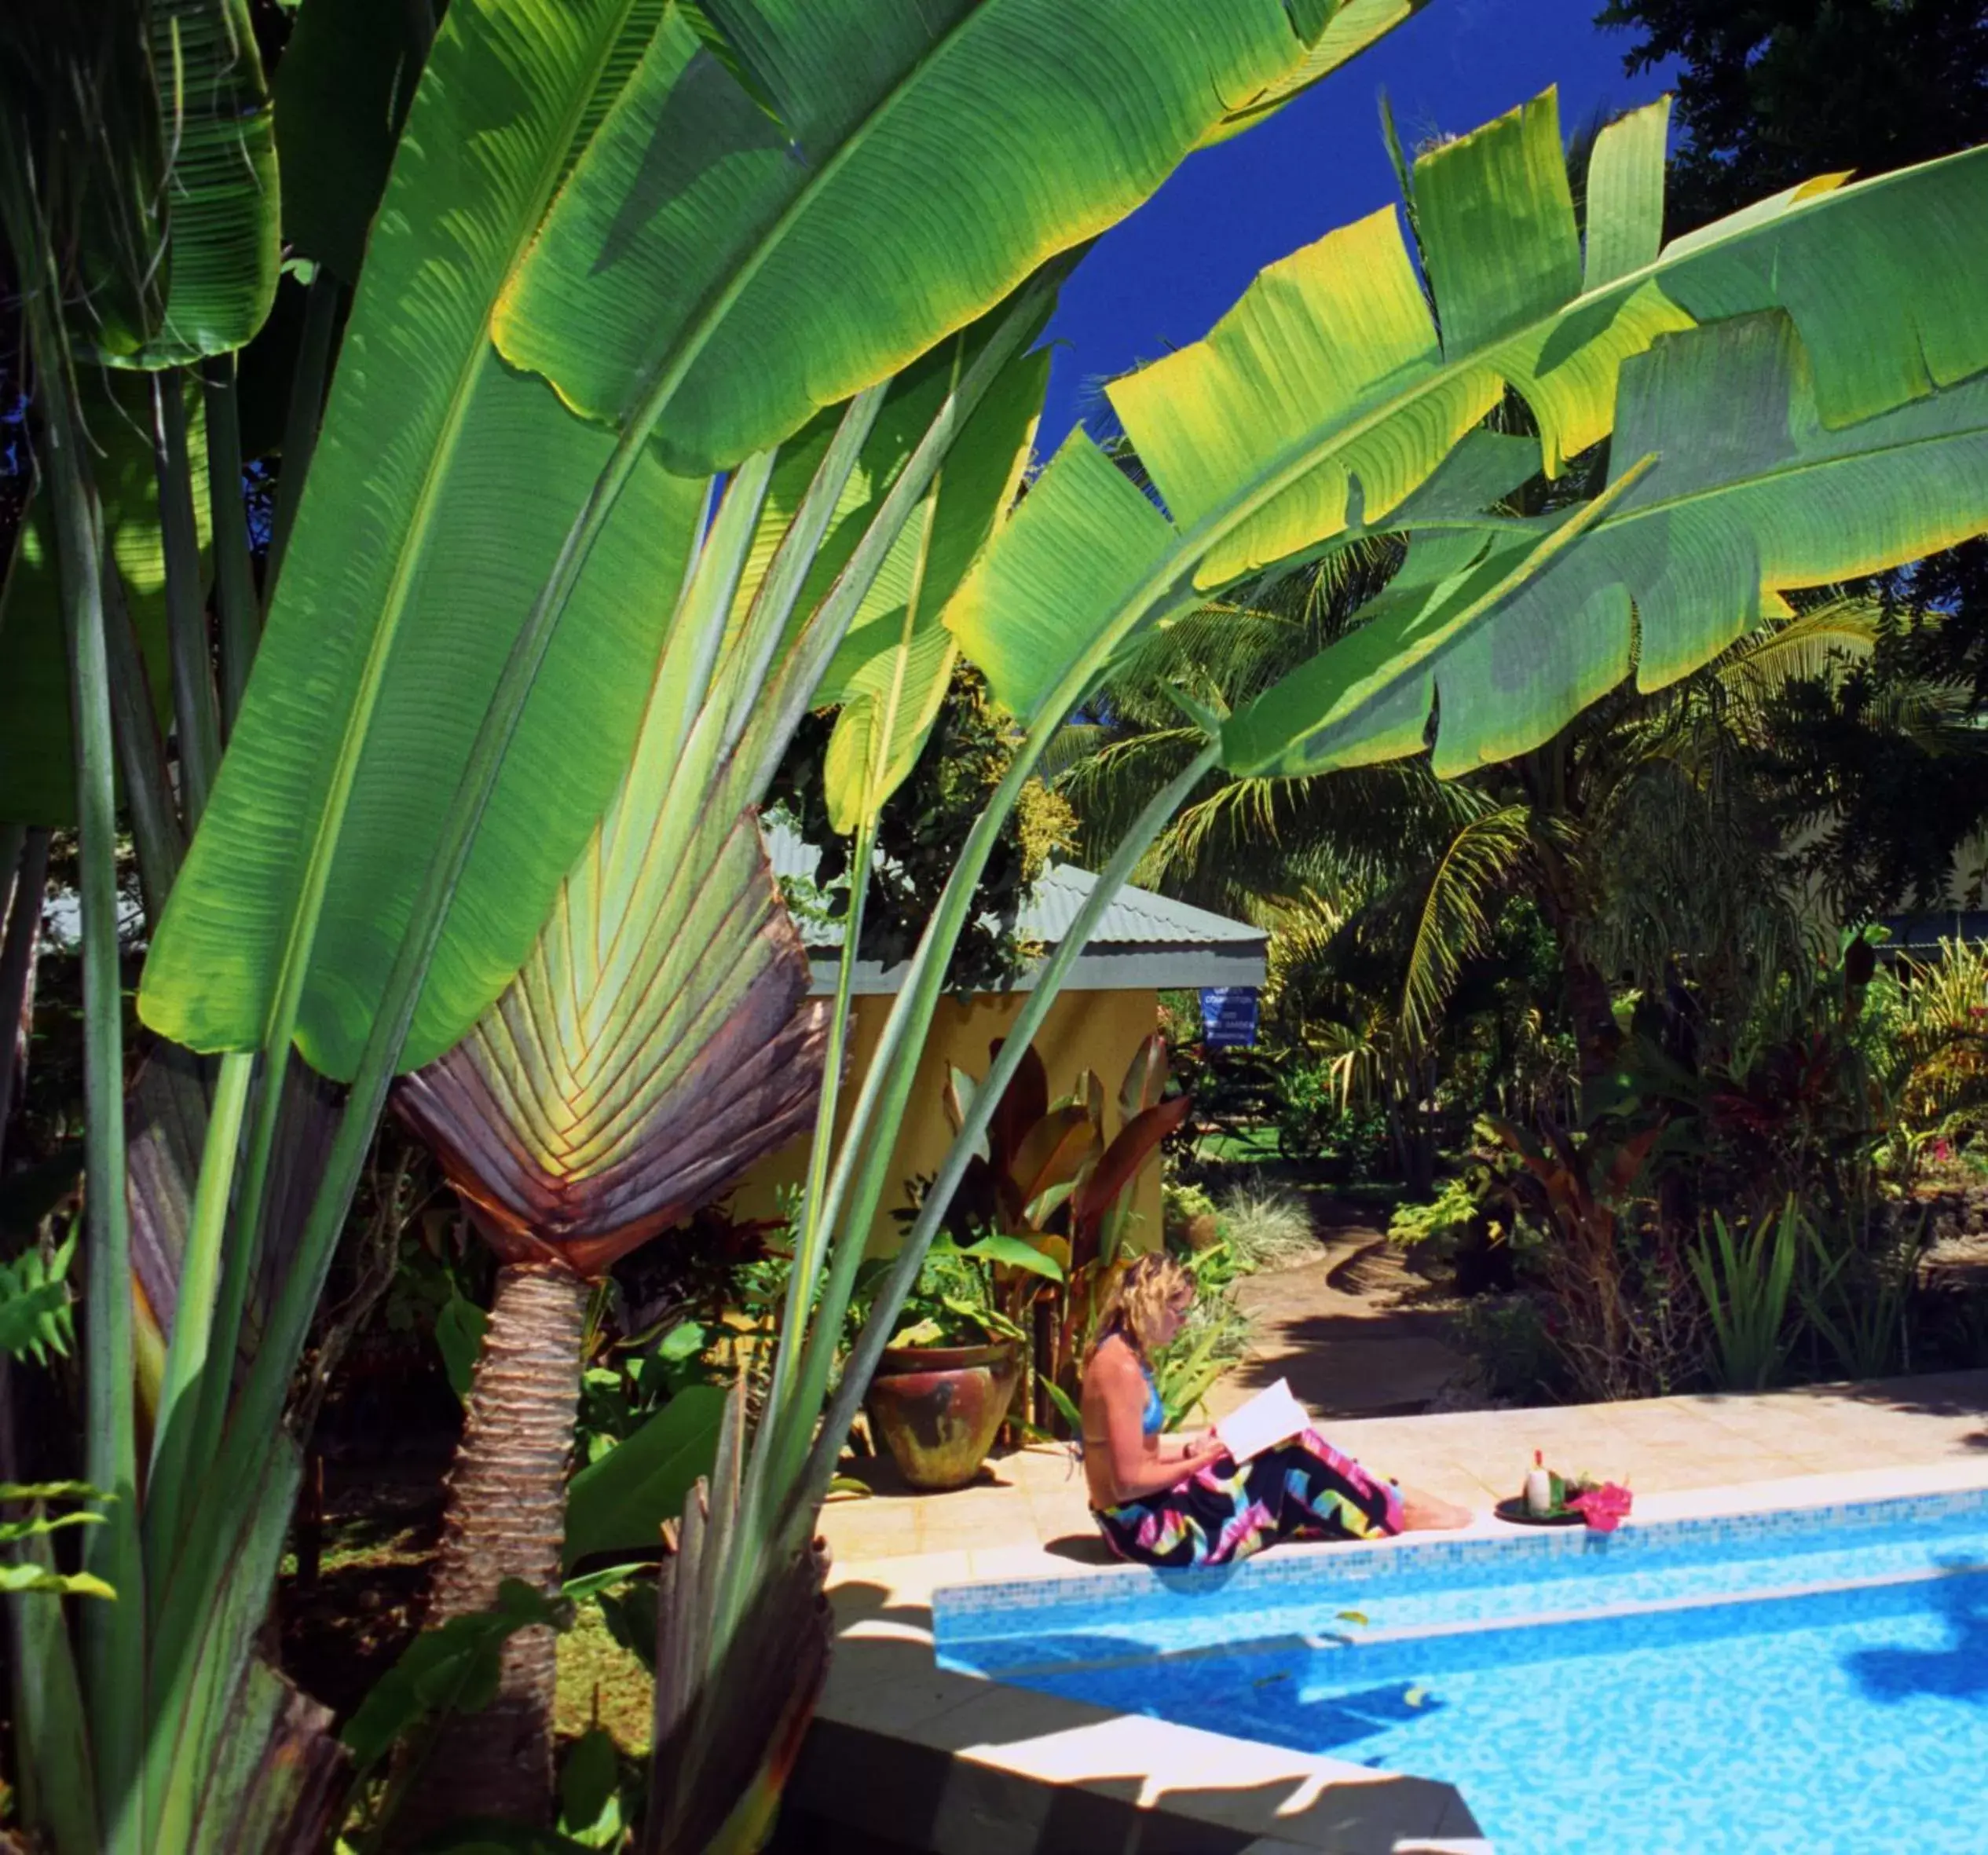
(1164, 277)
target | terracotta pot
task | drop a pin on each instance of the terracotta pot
(938, 1407)
(1203, 1232)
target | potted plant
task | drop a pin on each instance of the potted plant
(944, 1383)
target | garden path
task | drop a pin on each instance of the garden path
(1341, 1330)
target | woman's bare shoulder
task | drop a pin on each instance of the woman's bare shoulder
(1113, 1361)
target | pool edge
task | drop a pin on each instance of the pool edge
(922, 1757)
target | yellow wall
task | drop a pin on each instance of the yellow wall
(1083, 1030)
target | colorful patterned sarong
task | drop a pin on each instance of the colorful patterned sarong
(1303, 1489)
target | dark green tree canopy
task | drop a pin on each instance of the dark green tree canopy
(1773, 91)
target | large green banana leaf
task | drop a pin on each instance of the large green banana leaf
(222, 248)
(37, 776)
(441, 491)
(444, 483)
(1747, 493)
(1351, 26)
(895, 167)
(1329, 395)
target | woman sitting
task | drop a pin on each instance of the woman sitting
(1181, 1501)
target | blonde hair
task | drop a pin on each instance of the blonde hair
(1138, 1299)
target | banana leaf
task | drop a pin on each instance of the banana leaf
(770, 247)
(889, 676)
(441, 493)
(347, 73)
(1329, 395)
(222, 249)
(597, 222)
(1750, 494)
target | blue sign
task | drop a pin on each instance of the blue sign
(1228, 1017)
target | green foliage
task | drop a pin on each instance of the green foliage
(590, 1796)
(957, 1302)
(459, 1328)
(451, 1669)
(619, 1501)
(1861, 1305)
(1180, 1205)
(35, 1318)
(31, 1572)
(1512, 1354)
(635, 1380)
(919, 834)
(1441, 1224)
(1747, 1284)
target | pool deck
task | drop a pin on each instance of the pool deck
(907, 1756)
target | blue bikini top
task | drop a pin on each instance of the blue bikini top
(1153, 1419)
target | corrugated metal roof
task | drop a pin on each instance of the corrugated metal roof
(1137, 917)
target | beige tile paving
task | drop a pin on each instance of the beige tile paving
(1030, 1507)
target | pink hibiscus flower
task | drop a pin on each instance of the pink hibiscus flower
(1604, 1507)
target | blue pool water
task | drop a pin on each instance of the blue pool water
(1815, 1682)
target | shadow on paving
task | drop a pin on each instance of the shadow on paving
(1932, 1394)
(906, 1756)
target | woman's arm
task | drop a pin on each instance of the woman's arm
(1139, 1467)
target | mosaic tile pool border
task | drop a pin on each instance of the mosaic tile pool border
(1362, 1564)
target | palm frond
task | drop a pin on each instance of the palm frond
(1455, 919)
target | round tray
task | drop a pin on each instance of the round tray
(1513, 1509)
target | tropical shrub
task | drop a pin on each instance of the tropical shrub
(1437, 1228)
(1183, 1208)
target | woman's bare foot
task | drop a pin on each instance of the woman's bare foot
(1426, 1513)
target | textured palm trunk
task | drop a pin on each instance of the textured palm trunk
(506, 1519)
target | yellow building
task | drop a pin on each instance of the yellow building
(1145, 945)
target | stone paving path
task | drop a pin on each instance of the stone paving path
(1339, 1330)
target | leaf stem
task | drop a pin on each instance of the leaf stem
(113, 1634)
(980, 1112)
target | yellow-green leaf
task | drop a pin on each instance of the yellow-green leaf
(441, 491)
(925, 158)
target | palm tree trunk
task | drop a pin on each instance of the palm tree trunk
(506, 1519)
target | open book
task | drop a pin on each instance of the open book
(1272, 1417)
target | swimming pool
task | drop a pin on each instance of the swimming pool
(1813, 1680)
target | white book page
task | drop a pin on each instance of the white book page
(1272, 1417)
